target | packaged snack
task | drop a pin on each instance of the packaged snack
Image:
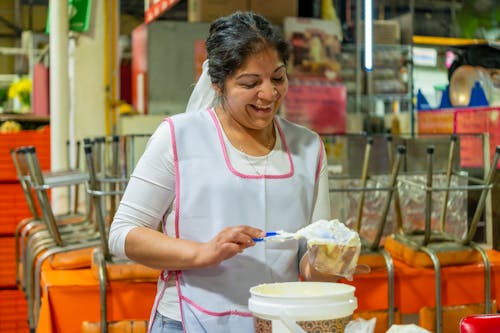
(333, 247)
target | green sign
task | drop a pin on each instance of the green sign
(78, 15)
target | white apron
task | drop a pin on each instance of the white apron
(211, 195)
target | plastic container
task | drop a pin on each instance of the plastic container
(299, 307)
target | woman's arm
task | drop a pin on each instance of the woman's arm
(154, 249)
(149, 193)
(148, 198)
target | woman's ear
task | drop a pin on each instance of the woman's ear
(217, 89)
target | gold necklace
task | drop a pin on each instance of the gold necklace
(253, 165)
(268, 146)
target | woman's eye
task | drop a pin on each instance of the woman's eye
(249, 85)
(279, 79)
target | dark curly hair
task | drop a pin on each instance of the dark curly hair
(233, 38)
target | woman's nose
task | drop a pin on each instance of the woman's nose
(268, 92)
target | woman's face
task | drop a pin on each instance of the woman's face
(254, 93)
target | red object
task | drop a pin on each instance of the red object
(40, 105)
(38, 138)
(7, 262)
(157, 8)
(318, 105)
(13, 207)
(436, 121)
(13, 310)
(468, 121)
(480, 323)
(126, 81)
(140, 68)
(477, 120)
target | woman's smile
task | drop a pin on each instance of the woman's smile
(263, 109)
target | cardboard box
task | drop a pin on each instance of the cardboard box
(209, 10)
(385, 32)
(275, 10)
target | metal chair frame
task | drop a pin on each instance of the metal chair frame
(107, 181)
(50, 234)
(34, 223)
(374, 247)
(424, 242)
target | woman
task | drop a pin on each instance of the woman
(219, 177)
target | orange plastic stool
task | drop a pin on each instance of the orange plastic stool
(480, 323)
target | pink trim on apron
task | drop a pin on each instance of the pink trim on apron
(242, 175)
(320, 159)
(216, 314)
(177, 178)
(159, 296)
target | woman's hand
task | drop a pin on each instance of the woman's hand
(226, 244)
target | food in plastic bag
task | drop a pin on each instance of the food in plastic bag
(333, 248)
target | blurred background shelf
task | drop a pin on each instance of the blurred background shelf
(24, 117)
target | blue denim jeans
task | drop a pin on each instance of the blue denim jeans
(163, 324)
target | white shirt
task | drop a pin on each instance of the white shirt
(150, 194)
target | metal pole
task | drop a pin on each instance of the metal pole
(59, 82)
(358, 55)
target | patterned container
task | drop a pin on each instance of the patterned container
(302, 307)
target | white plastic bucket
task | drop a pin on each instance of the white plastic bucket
(299, 307)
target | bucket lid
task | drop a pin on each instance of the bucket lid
(332, 310)
(303, 299)
(304, 290)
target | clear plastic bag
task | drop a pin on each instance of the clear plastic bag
(332, 247)
(360, 325)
